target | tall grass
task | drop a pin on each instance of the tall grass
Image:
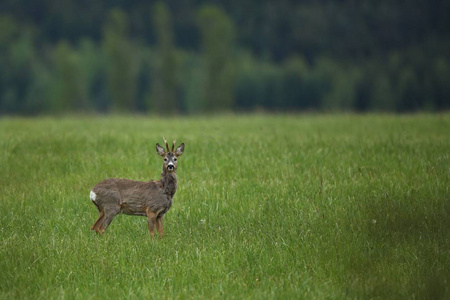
(267, 207)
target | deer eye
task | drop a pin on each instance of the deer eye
(175, 159)
(165, 158)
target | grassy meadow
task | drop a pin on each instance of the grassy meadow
(268, 206)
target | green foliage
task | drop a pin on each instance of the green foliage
(164, 81)
(218, 34)
(70, 86)
(17, 58)
(278, 206)
(293, 85)
(9, 31)
(340, 84)
(193, 80)
(92, 65)
(162, 57)
(438, 84)
(121, 62)
(39, 93)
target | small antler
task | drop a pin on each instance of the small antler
(167, 144)
(173, 145)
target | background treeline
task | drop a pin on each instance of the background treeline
(197, 56)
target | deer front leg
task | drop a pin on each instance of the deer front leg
(151, 222)
(159, 226)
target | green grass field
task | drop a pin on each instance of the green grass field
(268, 206)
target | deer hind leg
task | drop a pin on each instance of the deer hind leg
(159, 225)
(109, 213)
(99, 221)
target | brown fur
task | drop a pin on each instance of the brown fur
(139, 198)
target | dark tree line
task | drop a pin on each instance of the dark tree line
(196, 56)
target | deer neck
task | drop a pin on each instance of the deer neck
(169, 182)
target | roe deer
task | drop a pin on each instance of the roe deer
(152, 198)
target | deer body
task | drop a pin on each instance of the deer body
(152, 198)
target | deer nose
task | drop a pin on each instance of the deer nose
(170, 167)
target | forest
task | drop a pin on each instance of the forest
(196, 56)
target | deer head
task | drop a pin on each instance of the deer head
(170, 156)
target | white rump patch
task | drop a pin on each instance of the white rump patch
(93, 196)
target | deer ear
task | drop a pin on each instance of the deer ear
(180, 150)
(160, 150)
